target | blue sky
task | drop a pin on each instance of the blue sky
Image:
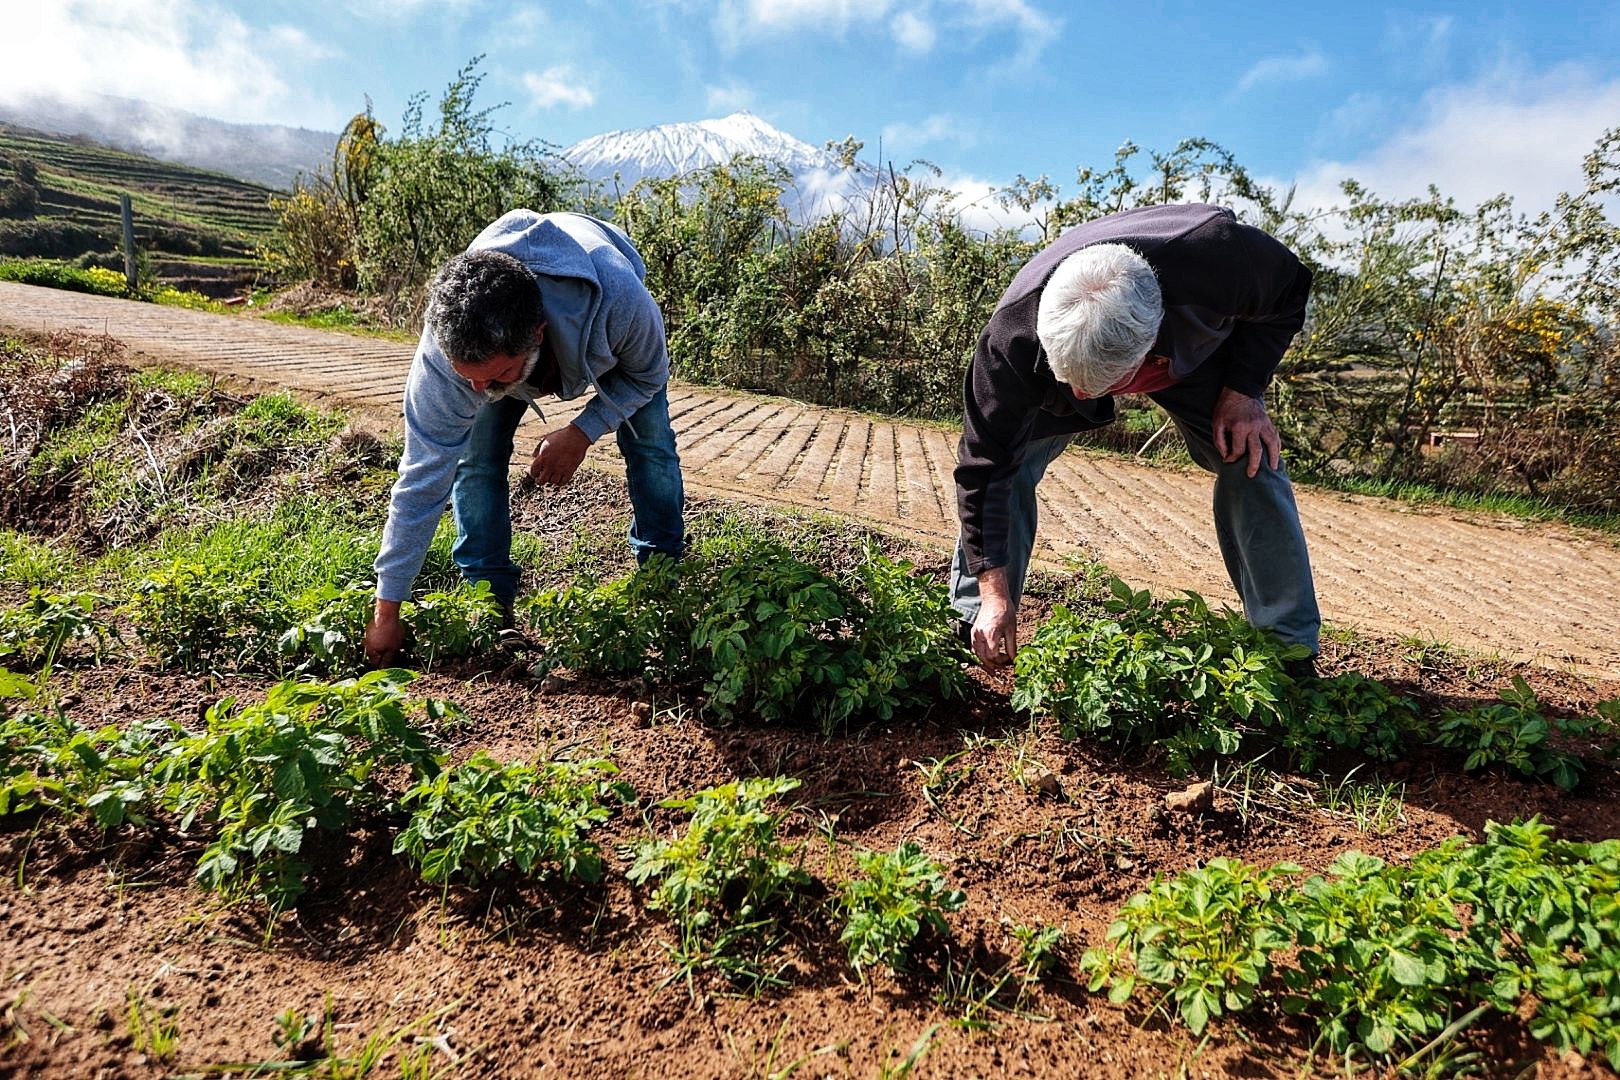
(1476, 98)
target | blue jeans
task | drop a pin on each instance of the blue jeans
(480, 498)
(1256, 523)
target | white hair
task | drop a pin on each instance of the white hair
(1099, 316)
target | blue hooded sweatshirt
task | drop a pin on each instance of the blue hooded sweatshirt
(608, 338)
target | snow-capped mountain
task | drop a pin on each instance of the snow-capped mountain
(672, 149)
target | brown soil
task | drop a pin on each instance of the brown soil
(518, 981)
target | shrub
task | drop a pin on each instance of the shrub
(56, 275)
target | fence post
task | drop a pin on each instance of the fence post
(129, 240)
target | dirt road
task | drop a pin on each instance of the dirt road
(1486, 583)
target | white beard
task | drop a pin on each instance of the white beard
(505, 389)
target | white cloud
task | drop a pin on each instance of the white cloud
(559, 85)
(905, 138)
(1035, 29)
(1513, 132)
(913, 32)
(729, 98)
(1283, 69)
(1423, 40)
(915, 25)
(186, 54)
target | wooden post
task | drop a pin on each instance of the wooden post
(129, 240)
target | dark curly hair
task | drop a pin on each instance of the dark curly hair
(481, 303)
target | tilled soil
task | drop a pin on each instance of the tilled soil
(571, 980)
(576, 981)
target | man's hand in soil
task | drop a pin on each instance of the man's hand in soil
(1242, 427)
(995, 631)
(559, 455)
(385, 634)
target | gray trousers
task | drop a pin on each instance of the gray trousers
(1256, 523)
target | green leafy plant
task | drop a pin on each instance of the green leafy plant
(207, 616)
(780, 639)
(483, 818)
(1379, 961)
(1390, 962)
(910, 655)
(1205, 940)
(1351, 712)
(634, 624)
(724, 879)
(35, 633)
(449, 623)
(332, 641)
(772, 640)
(50, 762)
(310, 756)
(1175, 673)
(1513, 734)
(898, 896)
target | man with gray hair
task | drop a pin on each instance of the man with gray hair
(540, 305)
(1183, 303)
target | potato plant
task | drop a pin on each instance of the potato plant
(484, 817)
(49, 762)
(310, 756)
(1511, 733)
(1386, 960)
(35, 633)
(897, 897)
(724, 880)
(1198, 682)
(769, 635)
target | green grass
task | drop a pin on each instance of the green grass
(341, 320)
(307, 543)
(95, 429)
(25, 560)
(52, 274)
(1520, 506)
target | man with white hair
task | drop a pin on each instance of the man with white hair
(1183, 303)
(538, 306)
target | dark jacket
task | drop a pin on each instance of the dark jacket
(1233, 295)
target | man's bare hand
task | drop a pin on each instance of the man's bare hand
(385, 634)
(1243, 428)
(558, 456)
(995, 631)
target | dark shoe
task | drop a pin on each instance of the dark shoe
(1300, 670)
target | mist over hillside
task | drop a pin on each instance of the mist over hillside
(268, 154)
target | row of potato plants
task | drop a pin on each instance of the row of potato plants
(767, 634)
(777, 638)
(1382, 960)
(209, 618)
(1200, 681)
(260, 780)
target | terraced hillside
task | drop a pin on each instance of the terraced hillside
(59, 199)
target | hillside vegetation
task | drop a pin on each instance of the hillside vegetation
(196, 229)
